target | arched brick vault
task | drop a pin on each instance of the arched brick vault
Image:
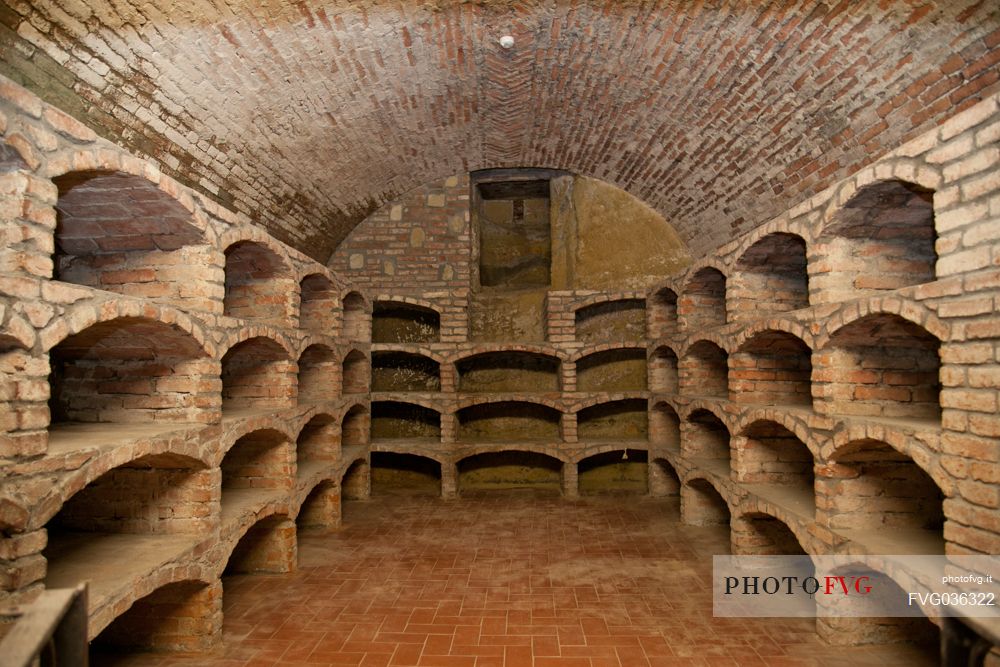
(719, 116)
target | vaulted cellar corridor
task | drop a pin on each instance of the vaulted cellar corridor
(347, 333)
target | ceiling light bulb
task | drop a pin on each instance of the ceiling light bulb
(507, 42)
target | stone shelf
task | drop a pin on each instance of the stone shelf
(889, 540)
(793, 499)
(111, 562)
(237, 503)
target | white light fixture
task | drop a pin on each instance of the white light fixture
(507, 42)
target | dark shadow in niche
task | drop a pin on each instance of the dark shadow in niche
(397, 322)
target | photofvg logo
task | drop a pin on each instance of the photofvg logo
(855, 586)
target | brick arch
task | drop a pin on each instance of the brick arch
(48, 505)
(576, 356)
(407, 399)
(890, 569)
(107, 159)
(409, 300)
(694, 475)
(243, 334)
(400, 448)
(347, 407)
(896, 438)
(494, 348)
(86, 314)
(905, 169)
(16, 153)
(278, 507)
(349, 350)
(500, 448)
(300, 494)
(595, 299)
(716, 263)
(303, 420)
(672, 284)
(791, 421)
(304, 343)
(348, 291)
(314, 271)
(797, 226)
(684, 411)
(788, 326)
(189, 570)
(914, 312)
(250, 427)
(440, 357)
(470, 401)
(581, 455)
(347, 464)
(724, 342)
(610, 397)
(753, 505)
(247, 234)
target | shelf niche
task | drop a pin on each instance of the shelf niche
(508, 371)
(394, 420)
(399, 322)
(772, 368)
(770, 278)
(508, 421)
(404, 371)
(881, 239)
(614, 420)
(121, 233)
(623, 319)
(620, 369)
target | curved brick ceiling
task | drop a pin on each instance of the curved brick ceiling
(306, 115)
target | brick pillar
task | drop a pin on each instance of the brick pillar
(449, 481)
(22, 566)
(449, 378)
(27, 209)
(570, 483)
(357, 484)
(568, 427)
(568, 376)
(449, 426)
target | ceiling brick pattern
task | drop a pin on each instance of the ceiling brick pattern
(307, 116)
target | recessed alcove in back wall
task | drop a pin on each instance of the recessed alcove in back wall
(602, 239)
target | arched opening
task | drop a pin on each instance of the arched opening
(257, 287)
(665, 427)
(703, 304)
(879, 497)
(259, 465)
(356, 373)
(181, 616)
(257, 374)
(877, 618)
(394, 420)
(705, 437)
(405, 474)
(622, 369)
(663, 372)
(317, 374)
(508, 421)
(777, 465)
(617, 421)
(772, 368)
(879, 366)
(402, 371)
(321, 508)
(882, 239)
(624, 319)
(510, 470)
(758, 534)
(318, 304)
(663, 313)
(704, 371)
(399, 322)
(129, 370)
(269, 547)
(508, 371)
(132, 520)
(357, 324)
(619, 472)
(770, 278)
(317, 445)
(663, 479)
(355, 427)
(703, 505)
(121, 233)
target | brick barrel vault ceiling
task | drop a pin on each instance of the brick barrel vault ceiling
(307, 115)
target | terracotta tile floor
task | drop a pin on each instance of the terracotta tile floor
(508, 578)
